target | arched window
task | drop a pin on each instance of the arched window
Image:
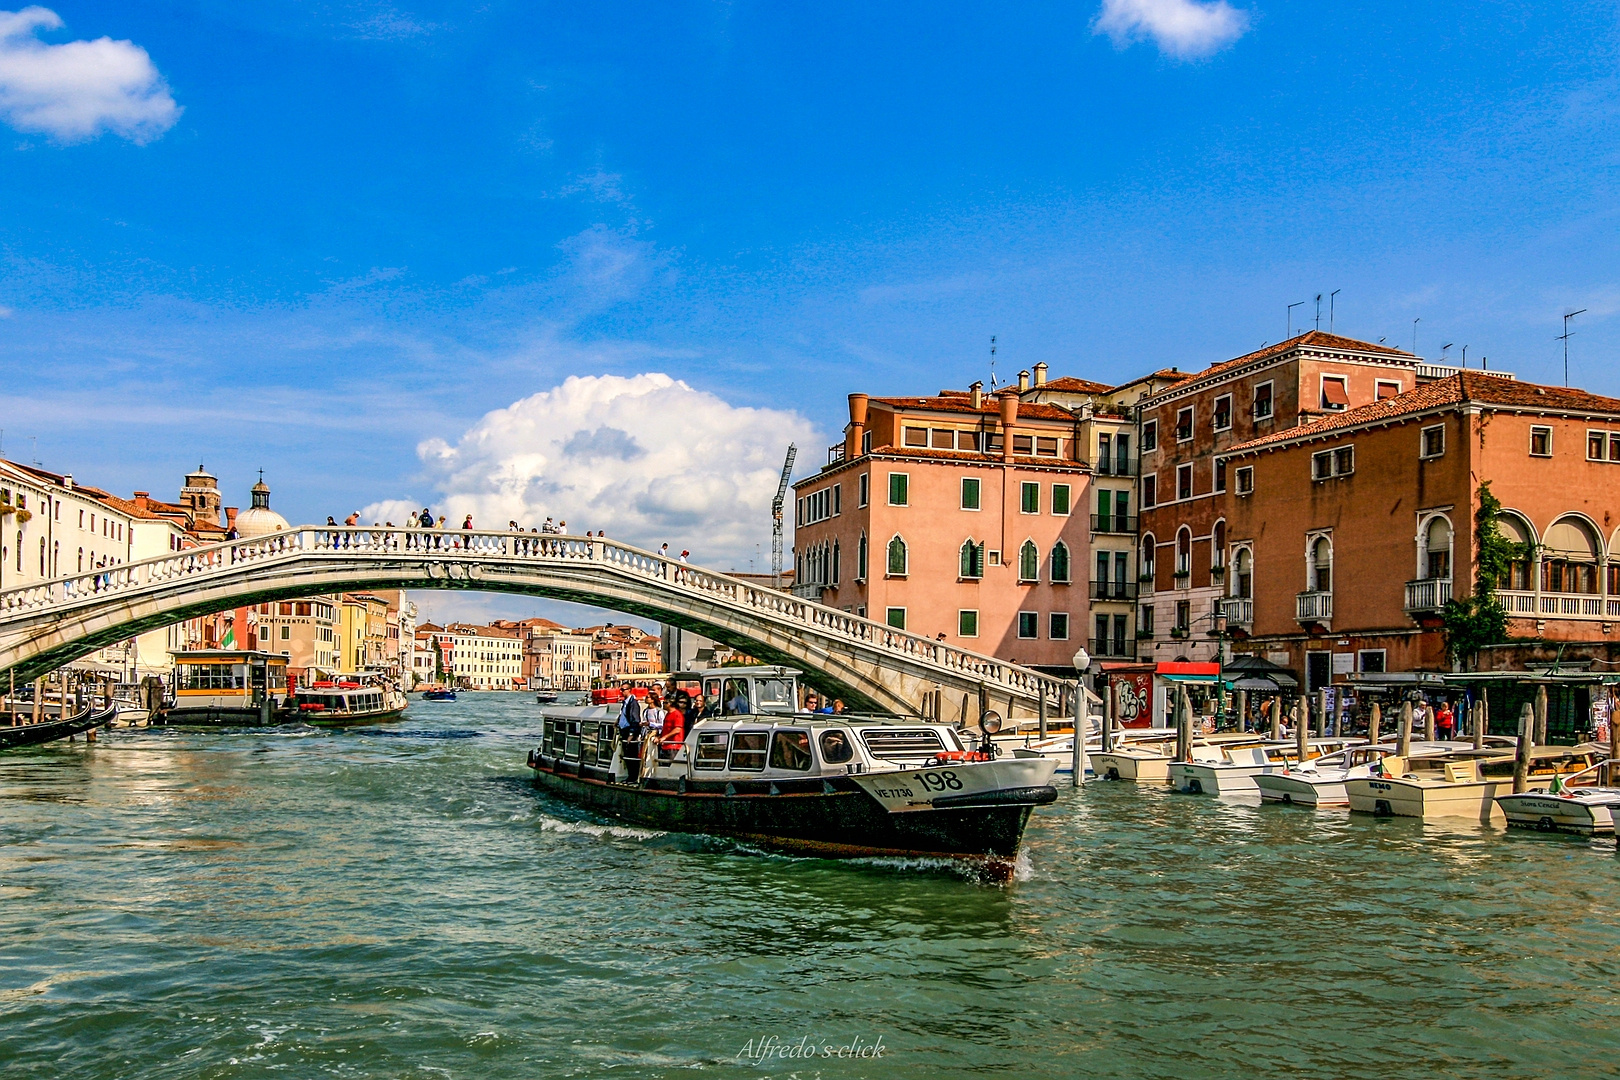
(1243, 578)
(1150, 550)
(833, 577)
(1569, 560)
(1322, 565)
(860, 558)
(1029, 562)
(972, 559)
(1060, 564)
(1184, 552)
(897, 557)
(1217, 547)
(1437, 548)
(1521, 571)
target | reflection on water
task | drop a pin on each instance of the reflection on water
(401, 902)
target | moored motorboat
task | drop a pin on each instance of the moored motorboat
(439, 693)
(1320, 781)
(819, 784)
(1583, 803)
(1462, 784)
(1233, 775)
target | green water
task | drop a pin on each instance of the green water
(402, 903)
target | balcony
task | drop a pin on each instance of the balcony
(1113, 523)
(1117, 465)
(835, 453)
(1428, 596)
(1239, 612)
(1113, 649)
(1531, 605)
(1313, 607)
(1113, 590)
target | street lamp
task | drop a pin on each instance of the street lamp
(1082, 661)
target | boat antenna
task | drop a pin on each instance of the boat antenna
(776, 517)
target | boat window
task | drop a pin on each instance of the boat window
(748, 751)
(711, 690)
(790, 749)
(711, 750)
(769, 692)
(735, 699)
(836, 747)
(571, 744)
(882, 741)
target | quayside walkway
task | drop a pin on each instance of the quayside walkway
(872, 666)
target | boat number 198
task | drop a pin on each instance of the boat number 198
(940, 781)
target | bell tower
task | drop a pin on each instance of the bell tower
(201, 497)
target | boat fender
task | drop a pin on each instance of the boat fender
(531, 759)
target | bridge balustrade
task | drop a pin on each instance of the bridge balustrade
(459, 544)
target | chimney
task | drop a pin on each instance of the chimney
(140, 499)
(976, 395)
(1023, 381)
(1009, 420)
(857, 426)
(1040, 374)
(67, 481)
(230, 517)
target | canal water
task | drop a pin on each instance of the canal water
(400, 902)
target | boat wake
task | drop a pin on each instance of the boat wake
(591, 828)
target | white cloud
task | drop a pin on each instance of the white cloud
(75, 91)
(1183, 29)
(646, 458)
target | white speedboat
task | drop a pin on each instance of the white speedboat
(1459, 784)
(1320, 781)
(1233, 775)
(1584, 803)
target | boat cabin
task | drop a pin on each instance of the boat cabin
(228, 678)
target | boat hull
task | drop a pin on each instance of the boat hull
(1475, 799)
(1552, 813)
(1196, 778)
(1141, 768)
(214, 716)
(331, 720)
(1296, 790)
(828, 817)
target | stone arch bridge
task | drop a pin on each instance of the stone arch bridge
(872, 666)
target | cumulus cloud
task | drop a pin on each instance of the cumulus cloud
(75, 91)
(647, 458)
(1183, 29)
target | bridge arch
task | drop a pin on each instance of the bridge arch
(868, 664)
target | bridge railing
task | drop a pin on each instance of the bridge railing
(221, 560)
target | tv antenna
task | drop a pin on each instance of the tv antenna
(776, 517)
(1319, 311)
(1443, 349)
(1291, 308)
(1564, 337)
(1414, 333)
(992, 363)
(1332, 296)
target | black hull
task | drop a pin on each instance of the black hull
(831, 818)
(50, 730)
(212, 717)
(330, 720)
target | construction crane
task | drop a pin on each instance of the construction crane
(776, 518)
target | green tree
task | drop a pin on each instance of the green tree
(1479, 620)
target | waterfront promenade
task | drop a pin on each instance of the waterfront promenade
(402, 903)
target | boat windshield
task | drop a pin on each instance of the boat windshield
(769, 693)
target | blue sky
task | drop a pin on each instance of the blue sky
(310, 237)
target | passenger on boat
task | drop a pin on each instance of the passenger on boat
(674, 731)
(1445, 723)
(652, 715)
(630, 739)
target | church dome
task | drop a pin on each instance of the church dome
(259, 519)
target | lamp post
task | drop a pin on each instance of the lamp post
(1082, 661)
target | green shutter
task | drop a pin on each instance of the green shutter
(1060, 499)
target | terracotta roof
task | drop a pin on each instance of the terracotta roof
(990, 406)
(1461, 388)
(1071, 385)
(1314, 339)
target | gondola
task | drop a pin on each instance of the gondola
(51, 730)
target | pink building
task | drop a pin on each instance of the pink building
(962, 515)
